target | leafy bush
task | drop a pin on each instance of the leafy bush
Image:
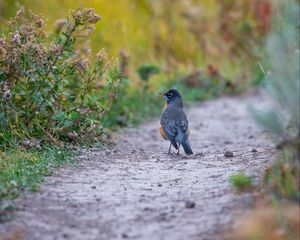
(50, 88)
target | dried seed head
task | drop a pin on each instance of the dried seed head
(16, 38)
(2, 53)
(86, 16)
(91, 15)
(26, 30)
(55, 48)
(39, 22)
(40, 51)
(81, 65)
(102, 55)
(20, 14)
(14, 56)
(77, 15)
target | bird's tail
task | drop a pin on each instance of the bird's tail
(187, 148)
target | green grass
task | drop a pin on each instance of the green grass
(24, 171)
(241, 181)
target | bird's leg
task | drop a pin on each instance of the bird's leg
(170, 148)
(178, 149)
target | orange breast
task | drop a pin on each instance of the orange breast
(162, 133)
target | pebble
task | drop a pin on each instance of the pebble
(190, 204)
(254, 150)
(124, 235)
(163, 216)
(228, 154)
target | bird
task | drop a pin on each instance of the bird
(174, 125)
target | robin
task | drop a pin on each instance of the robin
(174, 123)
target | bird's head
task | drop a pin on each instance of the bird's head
(173, 97)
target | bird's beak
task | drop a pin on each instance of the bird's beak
(164, 96)
(161, 93)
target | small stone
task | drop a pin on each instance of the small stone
(93, 187)
(163, 216)
(124, 235)
(94, 149)
(200, 154)
(254, 150)
(159, 185)
(190, 204)
(228, 154)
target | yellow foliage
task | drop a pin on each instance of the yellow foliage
(176, 34)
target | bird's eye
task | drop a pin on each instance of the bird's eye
(170, 95)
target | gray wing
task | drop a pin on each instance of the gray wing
(175, 124)
(170, 128)
(183, 124)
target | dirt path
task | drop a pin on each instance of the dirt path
(137, 191)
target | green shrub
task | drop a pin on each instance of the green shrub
(241, 181)
(50, 89)
(146, 70)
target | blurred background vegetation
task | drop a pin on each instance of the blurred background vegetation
(179, 36)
